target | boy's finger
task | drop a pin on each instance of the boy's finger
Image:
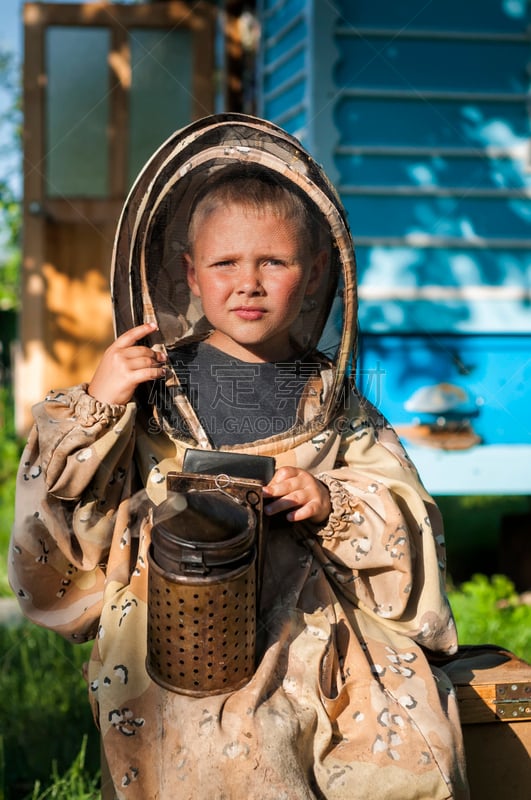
(134, 335)
(284, 473)
(137, 351)
(282, 504)
(281, 480)
(280, 488)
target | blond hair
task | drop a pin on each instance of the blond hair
(260, 190)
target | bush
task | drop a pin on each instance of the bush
(489, 611)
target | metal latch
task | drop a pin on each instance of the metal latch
(513, 701)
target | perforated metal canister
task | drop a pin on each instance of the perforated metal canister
(202, 600)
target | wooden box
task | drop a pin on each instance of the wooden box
(493, 690)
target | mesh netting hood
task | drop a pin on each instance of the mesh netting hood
(148, 273)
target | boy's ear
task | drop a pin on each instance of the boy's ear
(316, 273)
(190, 275)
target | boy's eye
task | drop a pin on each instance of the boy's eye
(275, 262)
(224, 264)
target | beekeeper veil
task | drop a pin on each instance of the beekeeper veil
(149, 282)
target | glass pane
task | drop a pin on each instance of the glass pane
(77, 111)
(161, 91)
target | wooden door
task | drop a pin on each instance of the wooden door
(104, 85)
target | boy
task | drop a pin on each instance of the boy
(252, 261)
(233, 261)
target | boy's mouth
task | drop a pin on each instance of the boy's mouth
(248, 312)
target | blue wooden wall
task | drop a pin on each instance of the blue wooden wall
(419, 113)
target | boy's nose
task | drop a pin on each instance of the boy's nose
(250, 281)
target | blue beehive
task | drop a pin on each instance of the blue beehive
(419, 114)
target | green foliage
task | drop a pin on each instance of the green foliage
(75, 784)
(489, 611)
(44, 710)
(473, 526)
(10, 451)
(10, 226)
(10, 206)
(10, 258)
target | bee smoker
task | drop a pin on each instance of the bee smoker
(202, 589)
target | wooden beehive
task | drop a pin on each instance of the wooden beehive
(493, 688)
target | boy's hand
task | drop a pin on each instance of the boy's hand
(298, 489)
(125, 365)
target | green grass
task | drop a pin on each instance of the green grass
(44, 710)
(75, 784)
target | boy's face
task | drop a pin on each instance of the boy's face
(252, 272)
